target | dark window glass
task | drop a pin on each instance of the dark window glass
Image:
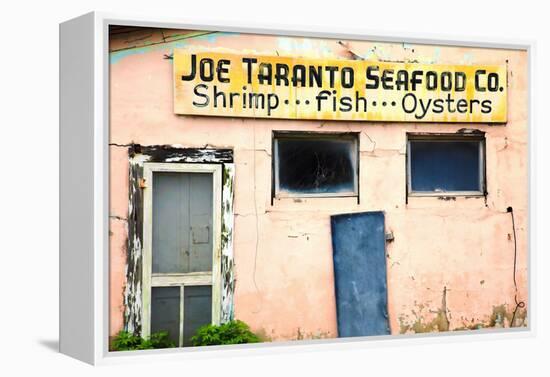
(316, 166)
(165, 311)
(440, 166)
(198, 310)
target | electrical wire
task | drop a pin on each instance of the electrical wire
(519, 304)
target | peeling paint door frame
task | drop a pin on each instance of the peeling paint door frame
(138, 156)
(214, 278)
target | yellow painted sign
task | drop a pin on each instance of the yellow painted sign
(231, 85)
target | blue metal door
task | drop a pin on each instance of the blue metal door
(359, 253)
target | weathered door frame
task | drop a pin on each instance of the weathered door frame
(149, 280)
(139, 155)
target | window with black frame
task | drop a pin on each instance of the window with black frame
(315, 164)
(446, 164)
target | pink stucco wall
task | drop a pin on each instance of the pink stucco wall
(450, 258)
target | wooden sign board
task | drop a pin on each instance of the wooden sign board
(230, 85)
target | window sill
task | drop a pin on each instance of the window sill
(279, 196)
(453, 201)
(316, 204)
(449, 194)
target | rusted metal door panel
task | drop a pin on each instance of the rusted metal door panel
(359, 254)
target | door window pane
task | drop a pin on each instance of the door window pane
(443, 166)
(165, 311)
(182, 222)
(316, 165)
(197, 310)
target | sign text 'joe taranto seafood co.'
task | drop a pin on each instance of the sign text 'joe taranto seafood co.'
(220, 84)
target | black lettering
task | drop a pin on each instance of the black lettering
(450, 101)
(331, 72)
(462, 106)
(322, 96)
(264, 73)
(231, 96)
(460, 81)
(281, 74)
(424, 109)
(402, 80)
(206, 64)
(272, 105)
(416, 79)
(446, 81)
(360, 99)
(249, 62)
(256, 100)
(486, 106)
(492, 82)
(315, 75)
(387, 79)
(202, 95)
(217, 94)
(404, 100)
(299, 75)
(193, 72)
(223, 68)
(373, 77)
(477, 74)
(437, 106)
(345, 104)
(472, 101)
(431, 80)
(347, 77)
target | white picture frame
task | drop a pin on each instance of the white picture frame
(84, 189)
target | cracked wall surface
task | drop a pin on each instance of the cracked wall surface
(450, 265)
